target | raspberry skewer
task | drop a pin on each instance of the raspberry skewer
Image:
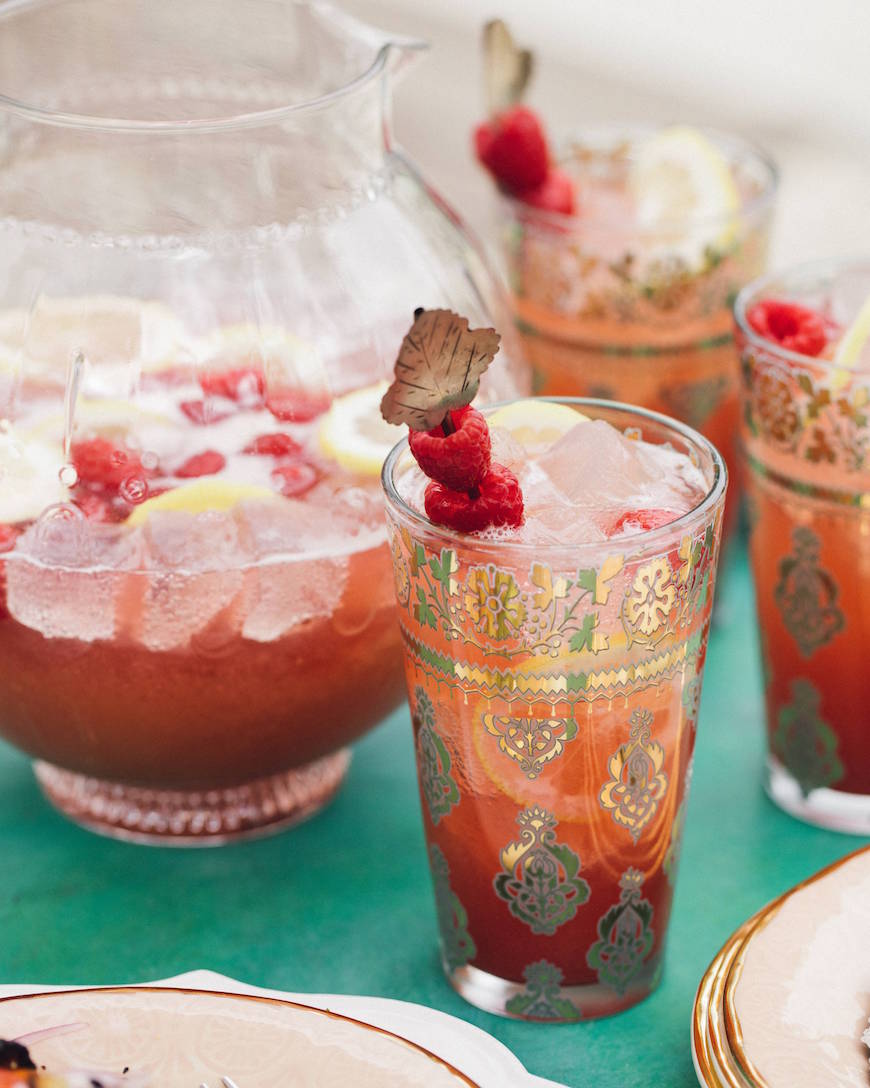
(437, 373)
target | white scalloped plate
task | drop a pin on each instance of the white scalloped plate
(200, 1025)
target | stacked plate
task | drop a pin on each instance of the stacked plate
(786, 1001)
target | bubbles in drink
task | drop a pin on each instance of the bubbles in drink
(68, 475)
(65, 581)
(134, 490)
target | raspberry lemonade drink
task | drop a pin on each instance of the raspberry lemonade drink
(624, 248)
(806, 384)
(555, 580)
(195, 610)
(193, 594)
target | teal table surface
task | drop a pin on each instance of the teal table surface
(343, 904)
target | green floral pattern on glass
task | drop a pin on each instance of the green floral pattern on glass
(625, 935)
(433, 761)
(542, 998)
(540, 881)
(807, 595)
(804, 742)
(457, 944)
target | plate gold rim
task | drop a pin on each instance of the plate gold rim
(713, 1058)
(195, 992)
(733, 1029)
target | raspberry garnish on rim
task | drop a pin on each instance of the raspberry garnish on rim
(511, 143)
(796, 328)
(438, 369)
(497, 500)
(458, 460)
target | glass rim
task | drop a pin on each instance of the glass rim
(807, 270)
(756, 204)
(249, 119)
(641, 541)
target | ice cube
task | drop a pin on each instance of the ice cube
(67, 576)
(597, 467)
(506, 450)
(195, 578)
(593, 462)
(302, 547)
(326, 518)
(287, 592)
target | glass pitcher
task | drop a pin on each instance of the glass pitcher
(210, 248)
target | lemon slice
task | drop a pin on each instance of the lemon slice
(678, 177)
(109, 418)
(536, 424)
(200, 496)
(851, 347)
(105, 328)
(10, 361)
(354, 433)
(29, 478)
(285, 358)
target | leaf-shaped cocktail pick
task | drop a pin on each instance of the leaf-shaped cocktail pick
(438, 368)
(506, 68)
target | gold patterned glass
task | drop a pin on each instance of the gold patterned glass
(806, 433)
(609, 308)
(554, 699)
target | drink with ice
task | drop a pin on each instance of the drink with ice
(625, 292)
(806, 386)
(554, 672)
(192, 589)
(193, 619)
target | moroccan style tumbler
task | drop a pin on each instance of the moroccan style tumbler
(554, 696)
(806, 433)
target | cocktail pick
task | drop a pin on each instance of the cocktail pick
(438, 368)
(507, 69)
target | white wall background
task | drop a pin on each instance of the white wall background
(792, 74)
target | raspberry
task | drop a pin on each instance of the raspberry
(103, 466)
(796, 328)
(296, 405)
(498, 501)
(240, 384)
(273, 445)
(513, 148)
(637, 521)
(206, 463)
(554, 194)
(295, 478)
(459, 460)
(203, 412)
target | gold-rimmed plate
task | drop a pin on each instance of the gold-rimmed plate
(786, 1000)
(711, 1054)
(181, 1037)
(797, 996)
